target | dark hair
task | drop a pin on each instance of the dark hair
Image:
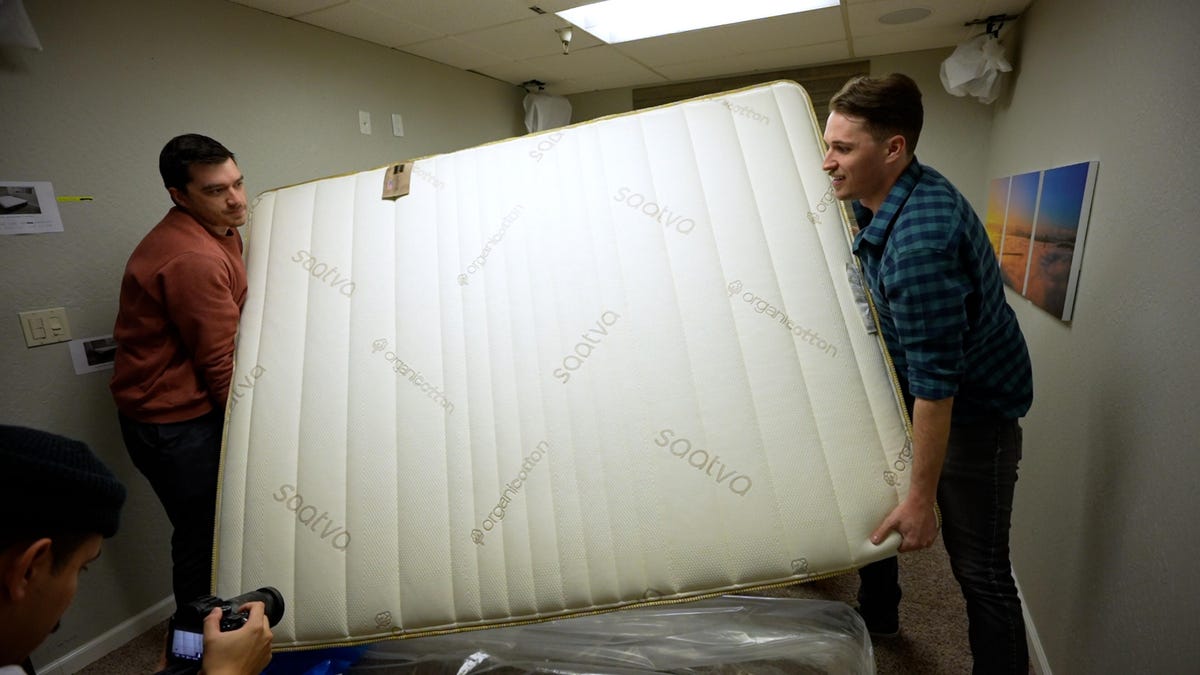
(63, 545)
(181, 152)
(887, 105)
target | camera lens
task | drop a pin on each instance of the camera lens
(269, 596)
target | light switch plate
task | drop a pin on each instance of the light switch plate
(45, 326)
(364, 122)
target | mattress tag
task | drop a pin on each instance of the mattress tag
(397, 180)
(859, 289)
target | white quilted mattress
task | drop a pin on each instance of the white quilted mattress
(614, 364)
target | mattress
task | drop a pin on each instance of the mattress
(616, 364)
(10, 203)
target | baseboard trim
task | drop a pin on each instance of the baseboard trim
(111, 640)
(1037, 655)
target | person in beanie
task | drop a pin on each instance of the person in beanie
(181, 298)
(58, 502)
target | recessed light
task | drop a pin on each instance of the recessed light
(902, 16)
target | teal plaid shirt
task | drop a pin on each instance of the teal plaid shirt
(936, 285)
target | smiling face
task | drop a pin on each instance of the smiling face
(861, 166)
(215, 196)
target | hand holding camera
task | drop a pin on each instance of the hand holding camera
(238, 650)
(225, 636)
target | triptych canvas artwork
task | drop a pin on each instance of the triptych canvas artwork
(1037, 222)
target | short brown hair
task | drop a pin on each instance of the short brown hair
(888, 106)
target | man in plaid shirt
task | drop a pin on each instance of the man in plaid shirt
(959, 354)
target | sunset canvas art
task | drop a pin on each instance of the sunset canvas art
(1037, 222)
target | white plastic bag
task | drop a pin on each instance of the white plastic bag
(748, 635)
(543, 111)
(974, 68)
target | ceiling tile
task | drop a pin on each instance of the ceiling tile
(897, 43)
(528, 38)
(289, 7)
(586, 62)
(864, 17)
(947, 15)
(366, 23)
(451, 18)
(453, 52)
(604, 81)
(776, 59)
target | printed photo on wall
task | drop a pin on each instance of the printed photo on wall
(1037, 223)
(93, 354)
(28, 207)
(997, 209)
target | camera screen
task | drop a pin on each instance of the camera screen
(187, 645)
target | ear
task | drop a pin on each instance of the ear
(21, 566)
(178, 197)
(897, 149)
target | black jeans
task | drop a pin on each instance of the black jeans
(181, 460)
(975, 496)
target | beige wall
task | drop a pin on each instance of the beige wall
(115, 81)
(1105, 542)
(590, 105)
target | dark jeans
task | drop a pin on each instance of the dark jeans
(181, 459)
(975, 496)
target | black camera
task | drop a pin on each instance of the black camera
(186, 638)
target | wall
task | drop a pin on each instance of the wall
(590, 105)
(117, 79)
(1105, 541)
(955, 140)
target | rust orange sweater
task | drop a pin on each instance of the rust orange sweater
(181, 298)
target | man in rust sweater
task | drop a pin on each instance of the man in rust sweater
(181, 298)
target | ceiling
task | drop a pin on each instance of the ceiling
(509, 41)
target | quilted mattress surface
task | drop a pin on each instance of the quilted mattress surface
(614, 364)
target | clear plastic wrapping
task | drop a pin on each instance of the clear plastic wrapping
(729, 634)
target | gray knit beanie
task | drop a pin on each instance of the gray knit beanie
(53, 485)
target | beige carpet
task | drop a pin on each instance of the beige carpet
(932, 640)
(933, 616)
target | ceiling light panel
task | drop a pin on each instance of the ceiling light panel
(617, 21)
